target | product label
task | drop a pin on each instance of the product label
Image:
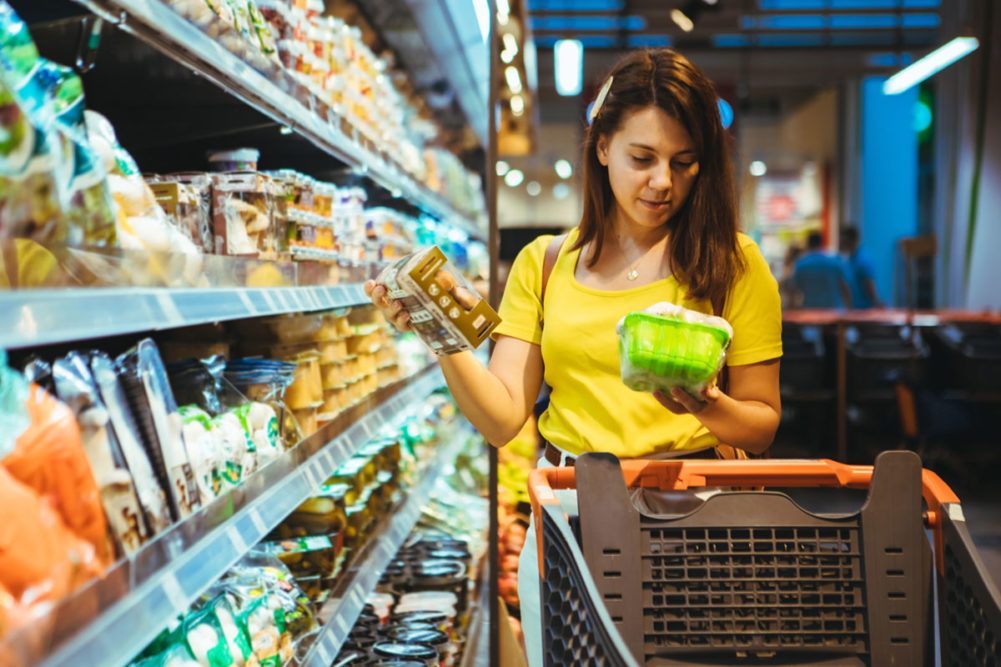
(167, 196)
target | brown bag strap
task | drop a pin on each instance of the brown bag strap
(548, 263)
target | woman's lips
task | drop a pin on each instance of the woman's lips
(655, 205)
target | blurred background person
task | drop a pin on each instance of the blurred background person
(820, 277)
(860, 269)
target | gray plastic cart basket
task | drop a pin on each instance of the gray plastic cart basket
(749, 577)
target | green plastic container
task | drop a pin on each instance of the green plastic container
(664, 352)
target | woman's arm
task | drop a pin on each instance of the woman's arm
(747, 417)
(499, 399)
(496, 400)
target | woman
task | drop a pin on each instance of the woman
(659, 224)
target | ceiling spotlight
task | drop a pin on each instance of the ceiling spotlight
(502, 167)
(563, 169)
(561, 191)
(533, 188)
(568, 59)
(514, 178)
(510, 43)
(517, 105)
(682, 20)
(758, 168)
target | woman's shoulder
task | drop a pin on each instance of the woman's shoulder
(534, 252)
(745, 243)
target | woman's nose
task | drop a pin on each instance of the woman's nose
(660, 179)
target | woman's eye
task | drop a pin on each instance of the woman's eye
(684, 165)
(642, 160)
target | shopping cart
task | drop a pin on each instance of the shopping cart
(749, 577)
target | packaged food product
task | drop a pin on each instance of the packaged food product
(204, 637)
(160, 424)
(239, 159)
(41, 560)
(322, 514)
(445, 310)
(75, 386)
(223, 607)
(238, 456)
(177, 655)
(304, 556)
(667, 346)
(49, 457)
(186, 198)
(201, 443)
(155, 506)
(242, 208)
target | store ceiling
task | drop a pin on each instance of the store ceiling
(765, 54)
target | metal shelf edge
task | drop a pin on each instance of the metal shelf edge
(379, 551)
(165, 29)
(46, 316)
(147, 609)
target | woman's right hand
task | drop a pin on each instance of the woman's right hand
(391, 308)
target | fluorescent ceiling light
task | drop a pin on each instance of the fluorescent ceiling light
(502, 167)
(482, 10)
(569, 60)
(514, 178)
(533, 189)
(513, 78)
(507, 57)
(682, 20)
(563, 169)
(561, 191)
(517, 105)
(758, 168)
(934, 62)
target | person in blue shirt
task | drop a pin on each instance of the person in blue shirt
(860, 269)
(820, 277)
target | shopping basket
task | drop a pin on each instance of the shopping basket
(749, 577)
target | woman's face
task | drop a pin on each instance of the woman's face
(652, 166)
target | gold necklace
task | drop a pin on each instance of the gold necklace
(633, 272)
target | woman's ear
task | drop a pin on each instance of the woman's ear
(601, 149)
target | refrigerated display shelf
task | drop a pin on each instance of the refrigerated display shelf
(163, 28)
(344, 609)
(44, 316)
(143, 592)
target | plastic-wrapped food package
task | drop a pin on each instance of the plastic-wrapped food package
(202, 446)
(445, 310)
(237, 458)
(667, 346)
(224, 607)
(151, 494)
(140, 222)
(186, 198)
(242, 206)
(52, 187)
(41, 560)
(204, 637)
(260, 574)
(49, 457)
(261, 424)
(155, 412)
(75, 386)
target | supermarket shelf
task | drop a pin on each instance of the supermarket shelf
(162, 27)
(44, 316)
(477, 650)
(144, 592)
(380, 549)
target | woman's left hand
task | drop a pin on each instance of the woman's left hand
(680, 402)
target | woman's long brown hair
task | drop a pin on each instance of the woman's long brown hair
(702, 246)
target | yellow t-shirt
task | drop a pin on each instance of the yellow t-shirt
(590, 408)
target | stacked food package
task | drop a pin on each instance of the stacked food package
(270, 608)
